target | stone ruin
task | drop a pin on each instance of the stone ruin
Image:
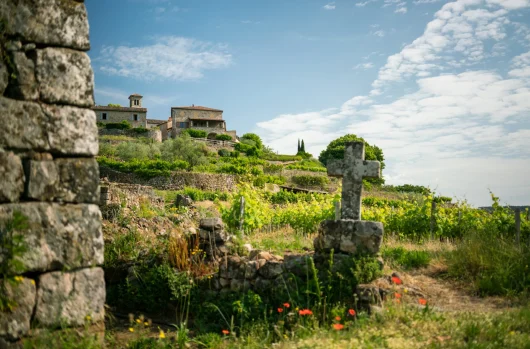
(346, 237)
(48, 172)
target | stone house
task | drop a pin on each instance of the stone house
(154, 123)
(135, 114)
(199, 118)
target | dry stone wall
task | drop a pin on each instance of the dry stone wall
(48, 173)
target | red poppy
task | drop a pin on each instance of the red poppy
(337, 318)
(397, 300)
(280, 310)
(422, 301)
(305, 312)
(396, 280)
(338, 327)
(225, 332)
(286, 305)
(351, 312)
(397, 295)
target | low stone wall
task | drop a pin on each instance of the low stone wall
(128, 195)
(154, 133)
(177, 181)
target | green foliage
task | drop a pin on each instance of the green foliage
(195, 194)
(308, 165)
(183, 148)
(224, 152)
(145, 169)
(124, 125)
(257, 210)
(258, 143)
(106, 149)
(128, 151)
(248, 149)
(335, 150)
(139, 130)
(261, 180)
(114, 105)
(195, 133)
(310, 181)
(408, 188)
(223, 137)
(279, 157)
(407, 259)
(151, 289)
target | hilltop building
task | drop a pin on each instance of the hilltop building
(199, 118)
(135, 114)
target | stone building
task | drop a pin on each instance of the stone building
(199, 118)
(154, 123)
(135, 114)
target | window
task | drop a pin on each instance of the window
(103, 116)
(135, 117)
(182, 125)
(136, 102)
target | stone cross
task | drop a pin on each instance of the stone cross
(352, 170)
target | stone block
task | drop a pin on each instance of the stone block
(24, 85)
(67, 298)
(349, 236)
(71, 130)
(50, 22)
(211, 224)
(296, 264)
(271, 270)
(54, 128)
(11, 177)
(67, 180)
(16, 323)
(4, 74)
(65, 76)
(57, 236)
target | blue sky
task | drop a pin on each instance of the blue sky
(442, 87)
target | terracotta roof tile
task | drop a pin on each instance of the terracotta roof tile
(197, 107)
(105, 107)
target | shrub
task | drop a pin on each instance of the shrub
(145, 169)
(223, 137)
(234, 154)
(224, 152)
(278, 157)
(139, 130)
(255, 138)
(183, 148)
(310, 181)
(195, 133)
(124, 125)
(128, 151)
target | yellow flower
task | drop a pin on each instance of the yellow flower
(19, 278)
(33, 282)
(162, 335)
(131, 329)
(88, 318)
(512, 332)
(285, 336)
(146, 323)
(138, 321)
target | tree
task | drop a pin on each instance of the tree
(183, 148)
(254, 137)
(113, 105)
(298, 149)
(302, 147)
(335, 150)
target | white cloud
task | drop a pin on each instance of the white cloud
(419, 2)
(364, 66)
(364, 3)
(330, 6)
(380, 33)
(401, 10)
(170, 57)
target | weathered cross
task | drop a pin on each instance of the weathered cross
(352, 170)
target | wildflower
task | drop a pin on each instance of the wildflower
(337, 318)
(225, 332)
(146, 323)
(138, 321)
(397, 295)
(280, 310)
(397, 300)
(405, 291)
(351, 312)
(131, 329)
(338, 327)
(512, 333)
(285, 336)
(286, 305)
(19, 278)
(305, 312)
(88, 318)
(422, 301)
(33, 282)
(396, 280)
(162, 335)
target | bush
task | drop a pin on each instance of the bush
(255, 138)
(128, 151)
(139, 130)
(223, 137)
(183, 148)
(224, 152)
(124, 125)
(234, 154)
(195, 133)
(310, 181)
(278, 157)
(145, 169)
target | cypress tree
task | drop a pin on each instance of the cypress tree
(302, 147)
(298, 146)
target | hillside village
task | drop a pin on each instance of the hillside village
(120, 231)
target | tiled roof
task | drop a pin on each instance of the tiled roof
(135, 95)
(106, 107)
(197, 107)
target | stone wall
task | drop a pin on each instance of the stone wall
(155, 133)
(177, 181)
(49, 274)
(122, 115)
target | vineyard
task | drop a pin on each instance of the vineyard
(409, 219)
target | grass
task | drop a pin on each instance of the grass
(280, 240)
